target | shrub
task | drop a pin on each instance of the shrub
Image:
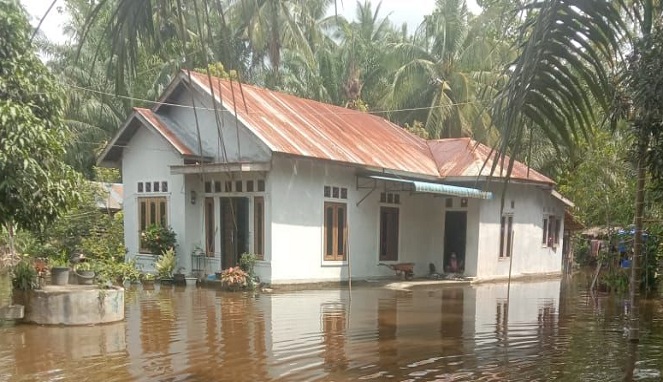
(24, 274)
(159, 239)
(165, 264)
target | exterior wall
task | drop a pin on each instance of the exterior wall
(531, 204)
(231, 149)
(295, 187)
(147, 157)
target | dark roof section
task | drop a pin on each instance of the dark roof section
(175, 135)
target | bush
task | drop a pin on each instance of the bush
(165, 264)
(158, 239)
(24, 274)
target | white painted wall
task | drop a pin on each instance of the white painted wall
(147, 157)
(529, 255)
(296, 188)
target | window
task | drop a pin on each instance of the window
(148, 187)
(389, 233)
(155, 187)
(259, 227)
(463, 203)
(140, 186)
(336, 231)
(217, 186)
(249, 186)
(387, 197)
(449, 203)
(164, 186)
(151, 211)
(551, 230)
(229, 186)
(506, 236)
(261, 186)
(209, 227)
(238, 186)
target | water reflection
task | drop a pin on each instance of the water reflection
(531, 331)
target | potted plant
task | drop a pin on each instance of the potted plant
(59, 269)
(179, 277)
(191, 280)
(85, 273)
(165, 265)
(234, 278)
(147, 279)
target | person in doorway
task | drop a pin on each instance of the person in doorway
(454, 263)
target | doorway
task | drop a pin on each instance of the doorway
(234, 230)
(455, 232)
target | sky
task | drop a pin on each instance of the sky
(399, 12)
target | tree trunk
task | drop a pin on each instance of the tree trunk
(637, 240)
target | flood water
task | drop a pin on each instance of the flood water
(548, 330)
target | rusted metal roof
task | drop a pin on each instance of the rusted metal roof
(296, 126)
(110, 196)
(465, 157)
(169, 134)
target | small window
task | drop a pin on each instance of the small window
(327, 192)
(449, 202)
(463, 202)
(261, 185)
(249, 186)
(544, 239)
(390, 198)
(164, 186)
(383, 197)
(239, 186)
(155, 186)
(140, 186)
(513, 204)
(397, 199)
(335, 192)
(217, 186)
(335, 231)
(228, 186)
(208, 187)
(344, 193)
(148, 187)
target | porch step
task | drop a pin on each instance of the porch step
(12, 312)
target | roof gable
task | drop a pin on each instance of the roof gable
(163, 127)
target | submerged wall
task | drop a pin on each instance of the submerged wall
(71, 305)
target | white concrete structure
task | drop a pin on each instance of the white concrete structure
(319, 191)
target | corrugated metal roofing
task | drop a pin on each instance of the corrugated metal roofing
(169, 133)
(464, 157)
(110, 196)
(296, 126)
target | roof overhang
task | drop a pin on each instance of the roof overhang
(209, 168)
(562, 199)
(436, 188)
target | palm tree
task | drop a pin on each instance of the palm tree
(570, 49)
(443, 71)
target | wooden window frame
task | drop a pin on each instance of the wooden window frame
(385, 242)
(148, 220)
(342, 237)
(259, 227)
(551, 231)
(506, 236)
(210, 227)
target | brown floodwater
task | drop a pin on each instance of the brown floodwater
(534, 331)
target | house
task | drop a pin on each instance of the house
(317, 191)
(109, 196)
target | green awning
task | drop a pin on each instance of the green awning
(438, 188)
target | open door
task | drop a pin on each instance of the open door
(455, 232)
(234, 230)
